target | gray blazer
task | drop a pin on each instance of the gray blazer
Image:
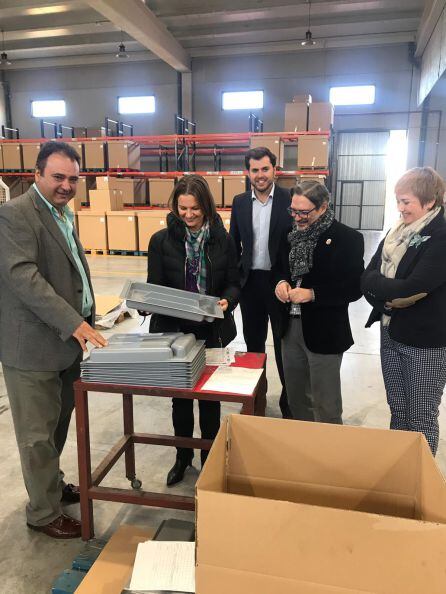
(40, 288)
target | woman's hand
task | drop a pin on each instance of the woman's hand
(282, 291)
(223, 303)
(299, 295)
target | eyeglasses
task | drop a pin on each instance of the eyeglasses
(301, 213)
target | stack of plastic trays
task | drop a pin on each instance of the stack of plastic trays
(171, 302)
(171, 360)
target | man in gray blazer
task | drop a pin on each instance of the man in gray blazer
(46, 312)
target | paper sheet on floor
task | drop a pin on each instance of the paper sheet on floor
(168, 566)
(236, 380)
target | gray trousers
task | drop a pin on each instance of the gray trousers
(313, 381)
(41, 406)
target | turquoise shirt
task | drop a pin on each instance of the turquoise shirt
(64, 220)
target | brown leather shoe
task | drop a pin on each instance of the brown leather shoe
(62, 527)
(70, 494)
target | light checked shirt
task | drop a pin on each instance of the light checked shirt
(64, 220)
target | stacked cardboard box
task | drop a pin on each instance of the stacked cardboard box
(296, 114)
(226, 218)
(102, 200)
(273, 143)
(295, 507)
(149, 222)
(286, 182)
(82, 193)
(133, 190)
(160, 191)
(30, 150)
(78, 147)
(122, 230)
(123, 154)
(232, 186)
(12, 156)
(215, 183)
(94, 154)
(320, 117)
(92, 230)
(313, 151)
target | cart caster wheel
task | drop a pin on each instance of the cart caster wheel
(136, 483)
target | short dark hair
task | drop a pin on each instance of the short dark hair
(258, 153)
(196, 186)
(51, 147)
(316, 192)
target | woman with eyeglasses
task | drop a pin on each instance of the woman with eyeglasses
(318, 276)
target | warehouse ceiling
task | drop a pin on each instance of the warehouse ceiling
(51, 33)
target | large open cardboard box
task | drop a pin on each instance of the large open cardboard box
(293, 507)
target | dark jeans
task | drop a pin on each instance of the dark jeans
(259, 304)
(183, 423)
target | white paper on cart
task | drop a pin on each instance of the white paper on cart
(236, 380)
(164, 565)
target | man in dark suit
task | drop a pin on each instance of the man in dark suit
(46, 304)
(259, 220)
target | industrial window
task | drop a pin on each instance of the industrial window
(145, 104)
(242, 100)
(48, 109)
(357, 95)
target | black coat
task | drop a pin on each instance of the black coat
(242, 232)
(422, 270)
(167, 267)
(335, 279)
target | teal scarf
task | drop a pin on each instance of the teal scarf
(195, 255)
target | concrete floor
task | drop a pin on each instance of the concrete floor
(29, 562)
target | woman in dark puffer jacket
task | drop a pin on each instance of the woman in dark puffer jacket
(195, 253)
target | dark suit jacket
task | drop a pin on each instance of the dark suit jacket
(421, 270)
(40, 288)
(335, 279)
(241, 227)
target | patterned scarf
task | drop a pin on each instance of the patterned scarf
(303, 243)
(195, 255)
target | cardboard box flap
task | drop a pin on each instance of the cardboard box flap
(332, 455)
(432, 498)
(221, 580)
(370, 501)
(320, 545)
(106, 303)
(215, 477)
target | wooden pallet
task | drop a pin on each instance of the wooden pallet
(96, 252)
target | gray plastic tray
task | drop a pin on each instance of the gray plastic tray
(171, 302)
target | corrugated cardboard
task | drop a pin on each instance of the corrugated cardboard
(313, 151)
(124, 154)
(78, 148)
(111, 571)
(122, 230)
(232, 186)
(215, 183)
(286, 182)
(273, 143)
(296, 117)
(95, 132)
(30, 150)
(83, 186)
(320, 117)
(134, 190)
(295, 507)
(226, 218)
(149, 222)
(102, 200)
(302, 99)
(95, 155)
(160, 191)
(92, 230)
(106, 303)
(1, 157)
(12, 156)
(311, 177)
